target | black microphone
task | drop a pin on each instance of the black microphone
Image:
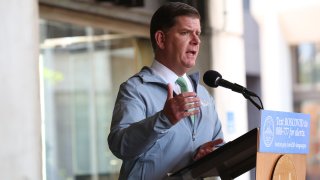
(214, 79)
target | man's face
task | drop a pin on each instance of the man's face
(181, 45)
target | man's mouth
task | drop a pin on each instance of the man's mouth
(192, 52)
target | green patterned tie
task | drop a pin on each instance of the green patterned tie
(184, 88)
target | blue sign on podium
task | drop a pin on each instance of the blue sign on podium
(284, 132)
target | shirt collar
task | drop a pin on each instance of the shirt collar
(165, 73)
(169, 76)
(147, 75)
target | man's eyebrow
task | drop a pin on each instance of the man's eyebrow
(188, 29)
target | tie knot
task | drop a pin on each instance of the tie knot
(182, 83)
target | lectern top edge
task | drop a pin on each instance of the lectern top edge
(231, 159)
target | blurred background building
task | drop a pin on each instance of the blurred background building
(62, 61)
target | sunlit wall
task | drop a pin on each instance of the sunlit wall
(20, 135)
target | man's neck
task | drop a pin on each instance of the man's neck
(178, 71)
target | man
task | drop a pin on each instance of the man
(157, 128)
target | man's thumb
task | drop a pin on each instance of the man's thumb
(170, 91)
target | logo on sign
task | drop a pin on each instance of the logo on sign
(268, 131)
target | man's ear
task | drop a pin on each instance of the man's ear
(160, 39)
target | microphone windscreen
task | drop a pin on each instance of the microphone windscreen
(210, 78)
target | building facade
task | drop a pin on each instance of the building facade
(62, 63)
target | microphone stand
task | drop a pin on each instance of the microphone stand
(247, 94)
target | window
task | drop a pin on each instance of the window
(81, 70)
(308, 64)
(307, 98)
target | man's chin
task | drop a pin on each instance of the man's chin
(190, 65)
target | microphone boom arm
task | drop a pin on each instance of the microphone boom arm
(247, 94)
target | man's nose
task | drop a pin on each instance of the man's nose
(195, 39)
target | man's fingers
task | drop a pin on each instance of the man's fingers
(217, 142)
(207, 148)
(212, 144)
(188, 94)
(170, 91)
(191, 106)
(181, 106)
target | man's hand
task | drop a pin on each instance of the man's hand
(180, 106)
(207, 148)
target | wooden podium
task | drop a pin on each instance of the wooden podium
(243, 154)
(281, 166)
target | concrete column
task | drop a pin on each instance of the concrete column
(20, 128)
(226, 19)
(275, 67)
(276, 80)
